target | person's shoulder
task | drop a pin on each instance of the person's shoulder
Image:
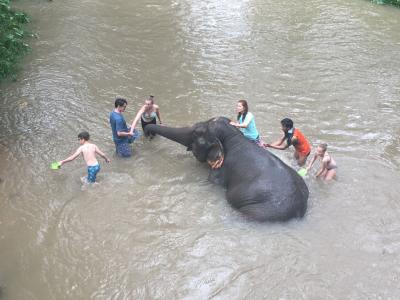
(297, 132)
(326, 158)
(117, 116)
(249, 115)
(156, 106)
(114, 114)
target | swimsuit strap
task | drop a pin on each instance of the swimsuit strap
(148, 117)
(289, 136)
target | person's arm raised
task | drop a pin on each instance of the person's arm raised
(278, 144)
(72, 157)
(137, 118)
(245, 123)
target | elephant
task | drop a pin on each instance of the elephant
(258, 183)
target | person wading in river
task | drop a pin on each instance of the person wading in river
(89, 151)
(148, 114)
(292, 136)
(122, 135)
(328, 164)
(246, 123)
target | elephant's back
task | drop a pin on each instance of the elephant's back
(270, 200)
(266, 189)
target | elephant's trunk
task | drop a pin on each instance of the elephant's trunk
(181, 135)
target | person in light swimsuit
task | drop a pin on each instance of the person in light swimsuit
(89, 151)
(328, 164)
(148, 114)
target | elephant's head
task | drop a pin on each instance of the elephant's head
(203, 139)
(206, 145)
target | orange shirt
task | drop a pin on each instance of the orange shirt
(302, 146)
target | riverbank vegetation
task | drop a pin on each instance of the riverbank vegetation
(392, 2)
(12, 38)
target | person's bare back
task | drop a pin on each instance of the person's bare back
(89, 153)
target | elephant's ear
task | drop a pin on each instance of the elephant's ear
(216, 151)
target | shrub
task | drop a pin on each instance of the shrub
(12, 36)
(392, 2)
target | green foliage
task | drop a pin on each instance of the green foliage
(12, 36)
(392, 2)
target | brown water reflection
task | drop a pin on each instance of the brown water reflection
(154, 227)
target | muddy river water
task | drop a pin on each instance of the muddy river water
(154, 227)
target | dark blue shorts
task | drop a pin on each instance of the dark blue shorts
(92, 173)
(124, 149)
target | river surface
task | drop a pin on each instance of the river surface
(154, 227)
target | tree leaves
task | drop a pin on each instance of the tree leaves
(12, 35)
(392, 2)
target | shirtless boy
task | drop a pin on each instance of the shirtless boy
(89, 151)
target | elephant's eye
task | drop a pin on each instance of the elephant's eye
(201, 141)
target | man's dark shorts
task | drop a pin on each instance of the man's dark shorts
(125, 149)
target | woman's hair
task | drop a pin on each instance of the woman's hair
(246, 110)
(323, 146)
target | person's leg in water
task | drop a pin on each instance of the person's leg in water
(144, 124)
(123, 149)
(92, 173)
(301, 158)
(330, 174)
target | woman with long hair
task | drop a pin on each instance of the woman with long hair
(246, 123)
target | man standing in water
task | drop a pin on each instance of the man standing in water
(294, 137)
(122, 135)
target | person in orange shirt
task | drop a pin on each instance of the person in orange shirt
(292, 136)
